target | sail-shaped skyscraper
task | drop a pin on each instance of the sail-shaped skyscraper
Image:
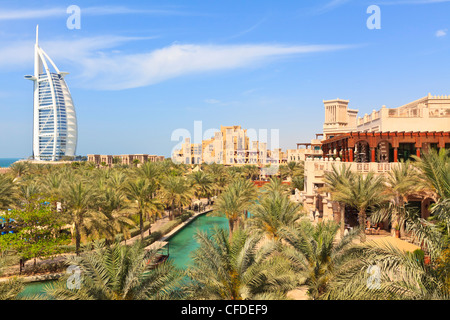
(54, 120)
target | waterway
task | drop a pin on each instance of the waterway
(181, 244)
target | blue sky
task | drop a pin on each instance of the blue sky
(140, 70)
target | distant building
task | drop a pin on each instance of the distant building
(230, 146)
(311, 149)
(125, 159)
(54, 121)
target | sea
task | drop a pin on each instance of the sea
(6, 162)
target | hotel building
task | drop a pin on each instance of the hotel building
(125, 159)
(230, 146)
(376, 142)
(54, 117)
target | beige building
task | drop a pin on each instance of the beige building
(311, 149)
(229, 146)
(125, 159)
(338, 118)
(375, 142)
(430, 113)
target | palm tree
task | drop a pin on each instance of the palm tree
(8, 193)
(79, 198)
(291, 169)
(114, 208)
(202, 184)
(273, 212)
(18, 169)
(252, 172)
(120, 273)
(136, 162)
(238, 268)
(28, 191)
(219, 176)
(235, 201)
(139, 190)
(176, 192)
(435, 173)
(276, 185)
(117, 179)
(401, 182)
(11, 288)
(53, 185)
(298, 182)
(316, 255)
(149, 170)
(361, 192)
(387, 273)
(335, 180)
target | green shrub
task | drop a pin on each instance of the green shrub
(170, 226)
(135, 231)
(189, 212)
(155, 236)
(184, 217)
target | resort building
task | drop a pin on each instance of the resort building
(375, 142)
(54, 118)
(305, 150)
(125, 159)
(230, 146)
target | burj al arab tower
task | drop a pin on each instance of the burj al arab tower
(54, 119)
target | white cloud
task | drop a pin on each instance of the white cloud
(21, 14)
(333, 4)
(20, 54)
(441, 33)
(6, 14)
(137, 70)
(97, 63)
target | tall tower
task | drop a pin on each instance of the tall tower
(338, 118)
(54, 118)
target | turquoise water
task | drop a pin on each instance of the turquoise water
(6, 162)
(181, 244)
(35, 288)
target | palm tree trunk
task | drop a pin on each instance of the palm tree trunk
(171, 212)
(141, 224)
(77, 238)
(342, 222)
(362, 225)
(231, 227)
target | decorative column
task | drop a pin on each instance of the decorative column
(350, 150)
(372, 158)
(418, 152)
(395, 154)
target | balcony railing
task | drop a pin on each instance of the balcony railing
(321, 166)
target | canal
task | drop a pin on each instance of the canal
(181, 244)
